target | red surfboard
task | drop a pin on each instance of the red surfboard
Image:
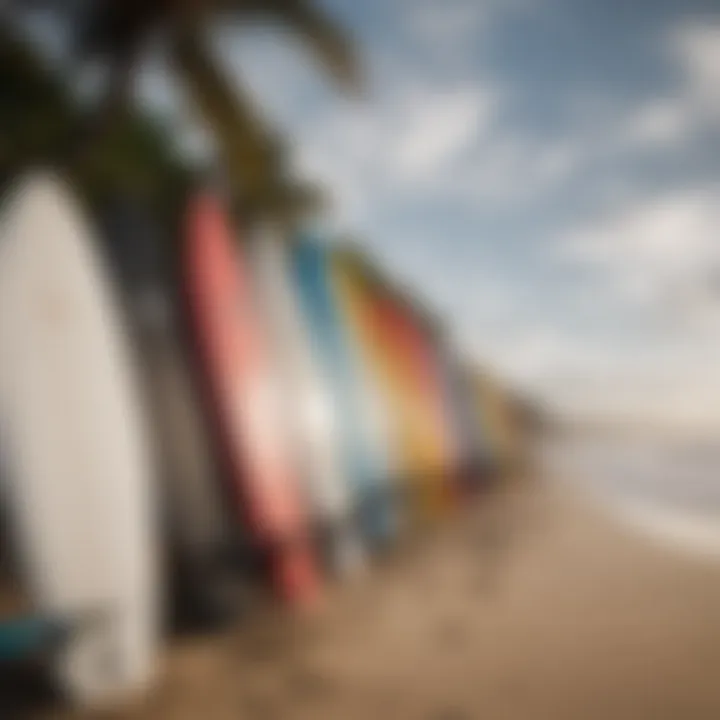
(242, 390)
(404, 332)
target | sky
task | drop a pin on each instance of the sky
(545, 174)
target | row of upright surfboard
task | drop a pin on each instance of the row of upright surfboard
(253, 407)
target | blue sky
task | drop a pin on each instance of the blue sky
(545, 173)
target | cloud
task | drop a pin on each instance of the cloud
(445, 18)
(697, 46)
(661, 252)
(402, 144)
(687, 398)
(670, 120)
(657, 123)
(675, 379)
(454, 26)
(422, 135)
(511, 167)
(437, 128)
(514, 165)
(443, 26)
(533, 352)
(660, 258)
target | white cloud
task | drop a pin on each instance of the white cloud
(663, 251)
(515, 166)
(506, 167)
(659, 256)
(441, 21)
(437, 128)
(667, 121)
(454, 26)
(403, 144)
(675, 381)
(686, 399)
(657, 123)
(698, 49)
(445, 31)
(537, 351)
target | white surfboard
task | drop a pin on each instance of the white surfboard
(74, 447)
(306, 406)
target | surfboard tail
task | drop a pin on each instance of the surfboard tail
(296, 575)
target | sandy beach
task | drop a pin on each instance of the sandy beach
(533, 603)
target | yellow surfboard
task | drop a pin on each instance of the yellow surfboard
(393, 349)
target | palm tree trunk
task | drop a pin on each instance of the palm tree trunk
(251, 155)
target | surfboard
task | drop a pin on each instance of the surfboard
(416, 443)
(351, 300)
(307, 406)
(364, 467)
(234, 351)
(206, 583)
(76, 464)
(402, 431)
(464, 422)
(413, 375)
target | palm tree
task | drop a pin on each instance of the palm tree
(38, 113)
(256, 159)
(255, 156)
(117, 32)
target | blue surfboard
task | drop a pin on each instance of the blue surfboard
(366, 468)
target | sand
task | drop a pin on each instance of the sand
(531, 604)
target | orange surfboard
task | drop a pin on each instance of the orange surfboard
(242, 393)
(404, 365)
(419, 376)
